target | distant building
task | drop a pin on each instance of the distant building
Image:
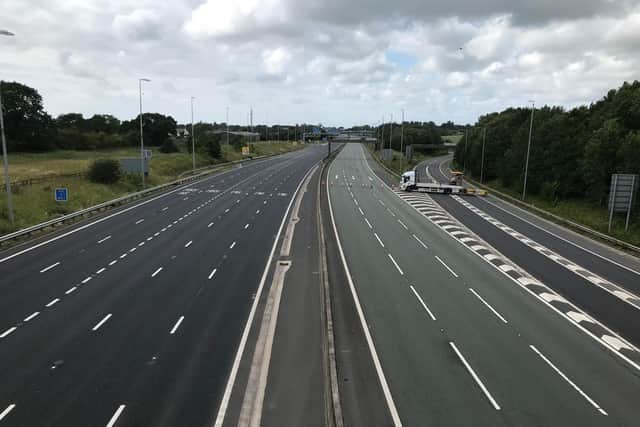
(181, 132)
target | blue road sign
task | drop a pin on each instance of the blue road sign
(62, 194)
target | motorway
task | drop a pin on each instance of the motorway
(461, 334)
(134, 318)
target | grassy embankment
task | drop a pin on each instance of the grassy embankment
(35, 203)
(399, 165)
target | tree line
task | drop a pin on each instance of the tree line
(573, 153)
(29, 127)
(422, 135)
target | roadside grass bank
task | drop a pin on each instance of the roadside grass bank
(35, 203)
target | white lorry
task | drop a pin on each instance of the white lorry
(408, 182)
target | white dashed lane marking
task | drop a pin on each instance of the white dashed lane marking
(488, 306)
(116, 415)
(156, 272)
(139, 221)
(176, 326)
(102, 322)
(44, 270)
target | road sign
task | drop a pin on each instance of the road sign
(147, 154)
(245, 151)
(61, 194)
(622, 195)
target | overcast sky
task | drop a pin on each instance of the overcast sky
(336, 62)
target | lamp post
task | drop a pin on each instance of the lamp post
(526, 165)
(484, 137)
(466, 140)
(193, 137)
(390, 134)
(227, 125)
(402, 140)
(5, 157)
(141, 133)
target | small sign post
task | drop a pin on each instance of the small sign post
(622, 195)
(61, 194)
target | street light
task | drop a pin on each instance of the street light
(390, 135)
(227, 125)
(526, 165)
(141, 134)
(484, 137)
(193, 137)
(401, 140)
(5, 158)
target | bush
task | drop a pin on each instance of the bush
(169, 146)
(105, 171)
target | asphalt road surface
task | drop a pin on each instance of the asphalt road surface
(134, 318)
(459, 341)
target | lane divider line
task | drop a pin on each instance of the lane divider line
(176, 326)
(54, 265)
(475, 376)
(422, 302)
(115, 416)
(488, 305)
(446, 266)
(102, 322)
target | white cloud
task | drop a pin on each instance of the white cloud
(457, 79)
(275, 61)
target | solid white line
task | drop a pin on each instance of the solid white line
(475, 377)
(101, 270)
(8, 331)
(188, 243)
(31, 316)
(379, 241)
(224, 403)
(52, 302)
(246, 226)
(420, 241)
(44, 270)
(212, 273)
(156, 272)
(7, 410)
(104, 239)
(70, 290)
(115, 416)
(396, 264)
(368, 223)
(177, 325)
(446, 266)
(422, 302)
(139, 221)
(489, 306)
(582, 393)
(372, 349)
(402, 224)
(100, 323)
(232, 245)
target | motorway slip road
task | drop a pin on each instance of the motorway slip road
(134, 318)
(459, 342)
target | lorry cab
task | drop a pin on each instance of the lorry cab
(408, 181)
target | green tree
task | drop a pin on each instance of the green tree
(27, 126)
(156, 127)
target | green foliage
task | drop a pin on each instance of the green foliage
(169, 146)
(105, 171)
(573, 153)
(27, 126)
(156, 127)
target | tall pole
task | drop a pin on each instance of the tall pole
(484, 137)
(5, 160)
(402, 141)
(390, 133)
(227, 125)
(382, 136)
(526, 165)
(141, 133)
(193, 137)
(466, 140)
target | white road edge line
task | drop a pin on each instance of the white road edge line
(372, 349)
(116, 415)
(156, 272)
(559, 372)
(446, 266)
(7, 410)
(224, 403)
(396, 264)
(488, 305)
(475, 377)
(100, 323)
(422, 302)
(176, 326)
(44, 270)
